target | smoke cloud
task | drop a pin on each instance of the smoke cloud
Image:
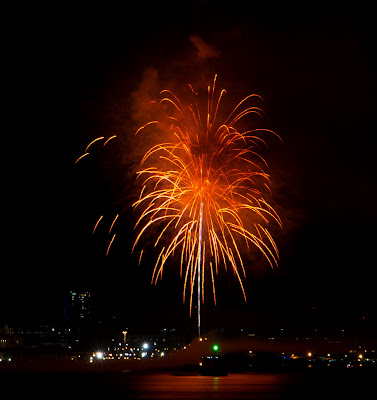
(204, 50)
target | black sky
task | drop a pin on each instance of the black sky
(70, 79)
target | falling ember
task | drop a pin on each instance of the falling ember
(86, 153)
(96, 225)
(81, 157)
(141, 255)
(93, 141)
(203, 190)
(111, 242)
(112, 225)
(108, 140)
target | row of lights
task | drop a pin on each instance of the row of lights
(99, 355)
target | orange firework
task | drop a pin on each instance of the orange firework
(203, 191)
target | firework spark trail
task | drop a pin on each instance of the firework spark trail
(86, 153)
(202, 187)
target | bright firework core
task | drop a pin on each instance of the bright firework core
(203, 191)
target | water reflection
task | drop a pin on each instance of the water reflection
(309, 384)
(234, 386)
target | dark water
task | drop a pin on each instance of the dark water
(304, 385)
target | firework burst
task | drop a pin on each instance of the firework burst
(203, 190)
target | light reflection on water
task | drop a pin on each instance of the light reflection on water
(304, 385)
(301, 385)
(233, 386)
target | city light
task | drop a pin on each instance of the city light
(99, 355)
(215, 347)
(145, 346)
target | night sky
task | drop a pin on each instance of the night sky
(76, 74)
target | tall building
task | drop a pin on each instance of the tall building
(78, 307)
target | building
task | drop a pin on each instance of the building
(46, 334)
(79, 317)
(9, 338)
(78, 307)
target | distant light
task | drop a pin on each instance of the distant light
(360, 356)
(215, 347)
(309, 354)
(145, 346)
(162, 354)
(99, 355)
(143, 354)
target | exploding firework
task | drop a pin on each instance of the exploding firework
(203, 191)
